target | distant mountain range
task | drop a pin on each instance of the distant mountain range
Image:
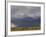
(26, 22)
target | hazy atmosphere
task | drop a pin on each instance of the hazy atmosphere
(25, 11)
(25, 16)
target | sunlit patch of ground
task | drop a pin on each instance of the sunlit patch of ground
(13, 25)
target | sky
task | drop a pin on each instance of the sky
(25, 11)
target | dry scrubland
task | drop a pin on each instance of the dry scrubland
(24, 28)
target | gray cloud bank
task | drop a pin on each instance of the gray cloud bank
(25, 11)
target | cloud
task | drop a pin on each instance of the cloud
(25, 11)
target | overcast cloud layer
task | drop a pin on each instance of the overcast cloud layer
(25, 11)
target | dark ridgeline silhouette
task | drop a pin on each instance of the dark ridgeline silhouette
(26, 22)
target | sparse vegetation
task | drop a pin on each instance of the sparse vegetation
(24, 28)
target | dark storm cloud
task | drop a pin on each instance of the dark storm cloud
(25, 11)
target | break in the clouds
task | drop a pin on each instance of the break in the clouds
(25, 11)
